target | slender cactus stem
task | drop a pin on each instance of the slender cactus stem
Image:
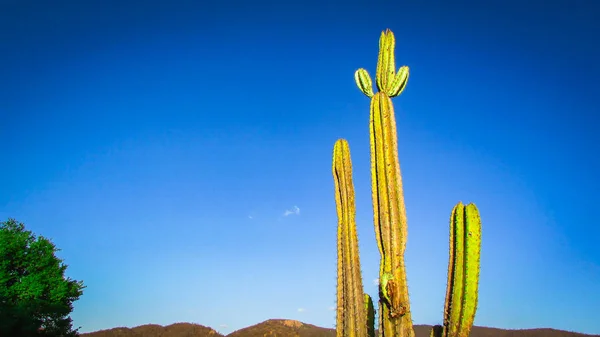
(351, 315)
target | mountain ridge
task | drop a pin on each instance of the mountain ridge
(294, 328)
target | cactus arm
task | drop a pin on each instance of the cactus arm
(363, 81)
(386, 61)
(399, 83)
(387, 79)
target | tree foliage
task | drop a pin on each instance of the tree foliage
(35, 296)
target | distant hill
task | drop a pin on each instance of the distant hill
(281, 328)
(478, 331)
(291, 328)
(154, 330)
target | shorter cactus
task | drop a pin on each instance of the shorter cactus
(370, 316)
(463, 272)
(351, 315)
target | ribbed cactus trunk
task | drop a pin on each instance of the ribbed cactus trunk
(387, 194)
(463, 272)
(390, 220)
(352, 306)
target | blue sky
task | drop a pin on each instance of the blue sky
(160, 144)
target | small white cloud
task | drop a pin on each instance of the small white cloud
(301, 310)
(376, 281)
(332, 308)
(224, 326)
(295, 210)
(250, 217)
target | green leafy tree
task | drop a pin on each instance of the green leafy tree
(35, 296)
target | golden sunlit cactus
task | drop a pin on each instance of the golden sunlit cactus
(352, 311)
(395, 318)
(463, 272)
(388, 200)
(388, 81)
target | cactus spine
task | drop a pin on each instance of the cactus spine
(388, 200)
(352, 304)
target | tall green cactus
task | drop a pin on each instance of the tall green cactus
(395, 318)
(352, 305)
(463, 271)
(388, 199)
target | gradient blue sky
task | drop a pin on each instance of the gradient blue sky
(159, 144)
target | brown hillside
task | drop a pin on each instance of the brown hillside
(291, 328)
(283, 328)
(477, 331)
(154, 330)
